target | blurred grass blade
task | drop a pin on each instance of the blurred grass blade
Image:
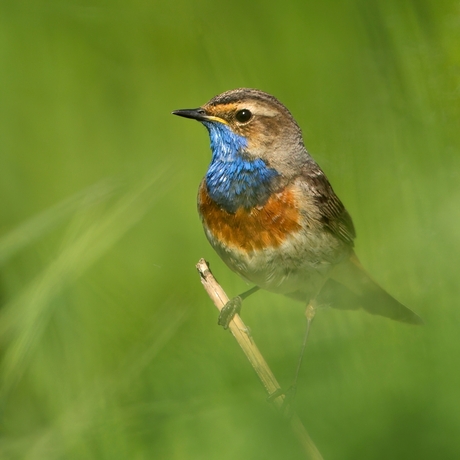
(38, 226)
(25, 318)
(82, 418)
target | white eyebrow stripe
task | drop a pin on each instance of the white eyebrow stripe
(258, 109)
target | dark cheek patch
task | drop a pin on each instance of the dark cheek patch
(258, 228)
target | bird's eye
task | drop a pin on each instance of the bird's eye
(243, 115)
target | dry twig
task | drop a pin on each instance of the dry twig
(244, 339)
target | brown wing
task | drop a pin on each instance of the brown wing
(334, 216)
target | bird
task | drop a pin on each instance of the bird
(271, 214)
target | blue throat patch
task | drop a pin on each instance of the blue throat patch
(234, 181)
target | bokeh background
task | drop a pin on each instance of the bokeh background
(109, 345)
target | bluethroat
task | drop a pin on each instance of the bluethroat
(271, 214)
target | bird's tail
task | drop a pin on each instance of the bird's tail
(350, 287)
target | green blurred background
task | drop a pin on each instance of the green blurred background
(109, 345)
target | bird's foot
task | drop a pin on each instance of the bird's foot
(289, 396)
(230, 309)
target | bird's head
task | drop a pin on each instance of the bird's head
(253, 124)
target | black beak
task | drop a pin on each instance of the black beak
(196, 114)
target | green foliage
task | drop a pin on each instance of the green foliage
(109, 346)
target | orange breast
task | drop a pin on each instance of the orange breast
(255, 229)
